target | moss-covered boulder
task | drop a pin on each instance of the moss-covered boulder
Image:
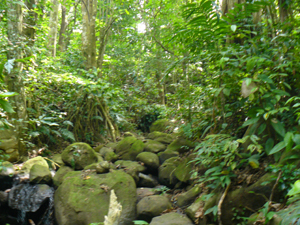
(145, 192)
(59, 175)
(152, 206)
(57, 159)
(100, 167)
(188, 197)
(34, 161)
(192, 210)
(83, 198)
(161, 137)
(181, 145)
(131, 168)
(163, 156)
(40, 174)
(136, 148)
(79, 155)
(171, 219)
(166, 175)
(7, 169)
(154, 146)
(129, 148)
(124, 144)
(150, 160)
(162, 125)
(184, 169)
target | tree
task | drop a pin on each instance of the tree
(14, 79)
(89, 12)
(52, 36)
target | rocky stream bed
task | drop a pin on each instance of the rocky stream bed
(151, 177)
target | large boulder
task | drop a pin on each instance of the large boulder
(181, 145)
(163, 156)
(40, 174)
(131, 168)
(166, 174)
(83, 198)
(25, 170)
(184, 169)
(154, 146)
(152, 206)
(78, 155)
(149, 159)
(161, 137)
(171, 219)
(129, 148)
(28, 197)
(59, 175)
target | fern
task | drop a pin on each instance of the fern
(67, 134)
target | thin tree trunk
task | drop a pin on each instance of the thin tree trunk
(14, 79)
(53, 28)
(62, 31)
(89, 11)
(283, 10)
(29, 23)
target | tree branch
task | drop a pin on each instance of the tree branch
(161, 45)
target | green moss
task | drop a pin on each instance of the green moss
(87, 195)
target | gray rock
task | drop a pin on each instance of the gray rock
(147, 181)
(29, 198)
(152, 206)
(171, 219)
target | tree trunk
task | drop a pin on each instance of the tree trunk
(107, 15)
(62, 31)
(89, 11)
(14, 79)
(29, 23)
(283, 10)
(53, 27)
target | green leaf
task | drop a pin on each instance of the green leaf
(269, 145)
(278, 127)
(288, 140)
(277, 148)
(296, 139)
(248, 81)
(261, 128)
(295, 189)
(233, 28)
(8, 94)
(6, 106)
(226, 91)
(269, 216)
(250, 121)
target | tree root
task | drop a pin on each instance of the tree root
(220, 204)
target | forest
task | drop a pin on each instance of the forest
(224, 76)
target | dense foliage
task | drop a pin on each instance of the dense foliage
(226, 74)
